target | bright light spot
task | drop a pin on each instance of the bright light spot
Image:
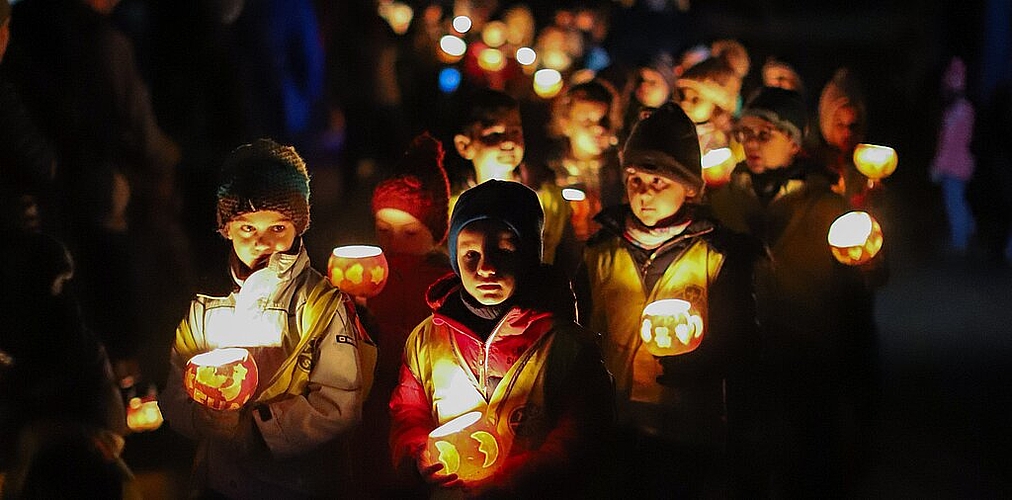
(357, 251)
(398, 15)
(491, 60)
(526, 56)
(547, 82)
(462, 24)
(850, 229)
(573, 194)
(715, 157)
(456, 425)
(666, 307)
(449, 80)
(452, 45)
(219, 357)
(494, 34)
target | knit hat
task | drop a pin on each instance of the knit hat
(842, 90)
(264, 175)
(666, 142)
(777, 73)
(420, 188)
(511, 203)
(781, 107)
(715, 80)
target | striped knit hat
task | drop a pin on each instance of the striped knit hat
(260, 176)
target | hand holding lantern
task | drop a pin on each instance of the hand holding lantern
(670, 327)
(855, 238)
(221, 379)
(358, 270)
(466, 446)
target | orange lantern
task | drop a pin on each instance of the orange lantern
(855, 238)
(466, 446)
(492, 60)
(451, 48)
(222, 379)
(547, 83)
(143, 414)
(875, 162)
(670, 327)
(359, 270)
(717, 166)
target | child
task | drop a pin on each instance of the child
(411, 216)
(842, 122)
(708, 93)
(681, 411)
(584, 120)
(491, 138)
(502, 340)
(816, 313)
(311, 353)
(953, 163)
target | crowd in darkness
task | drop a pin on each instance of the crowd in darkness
(116, 117)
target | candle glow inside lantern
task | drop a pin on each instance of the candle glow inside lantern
(547, 83)
(143, 414)
(855, 238)
(358, 270)
(221, 379)
(670, 327)
(875, 162)
(466, 446)
(717, 166)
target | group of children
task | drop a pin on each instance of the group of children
(538, 326)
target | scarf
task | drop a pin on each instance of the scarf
(650, 238)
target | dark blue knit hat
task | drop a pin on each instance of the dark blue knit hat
(511, 203)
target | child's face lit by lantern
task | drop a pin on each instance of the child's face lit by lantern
(400, 232)
(766, 146)
(698, 108)
(495, 147)
(488, 261)
(653, 197)
(843, 133)
(257, 235)
(653, 89)
(586, 126)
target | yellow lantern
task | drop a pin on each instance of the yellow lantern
(491, 60)
(466, 446)
(547, 83)
(875, 162)
(222, 379)
(855, 238)
(717, 166)
(359, 270)
(494, 34)
(669, 327)
(451, 48)
(143, 414)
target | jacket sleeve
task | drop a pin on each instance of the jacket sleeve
(332, 404)
(177, 407)
(411, 417)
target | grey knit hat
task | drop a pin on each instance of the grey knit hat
(511, 203)
(784, 108)
(666, 142)
(264, 175)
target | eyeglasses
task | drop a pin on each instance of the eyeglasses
(743, 134)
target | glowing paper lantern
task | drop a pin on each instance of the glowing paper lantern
(462, 24)
(670, 327)
(452, 48)
(491, 60)
(143, 414)
(494, 34)
(547, 83)
(397, 14)
(526, 56)
(855, 238)
(222, 379)
(466, 446)
(875, 162)
(717, 166)
(359, 270)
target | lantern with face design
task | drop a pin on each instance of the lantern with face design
(222, 379)
(466, 446)
(855, 238)
(670, 327)
(875, 162)
(358, 270)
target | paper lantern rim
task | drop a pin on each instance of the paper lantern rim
(860, 225)
(357, 251)
(573, 194)
(667, 307)
(220, 356)
(455, 425)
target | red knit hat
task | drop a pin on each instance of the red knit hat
(420, 188)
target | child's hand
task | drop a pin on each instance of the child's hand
(218, 424)
(430, 473)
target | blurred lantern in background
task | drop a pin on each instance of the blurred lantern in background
(855, 238)
(490, 59)
(717, 166)
(526, 56)
(461, 24)
(466, 446)
(449, 80)
(670, 327)
(358, 270)
(581, 211)
(397, 14)
(142, 413)
(875, 162)
(221, 379)
(547, 83)
(451, 48)
(494, 34)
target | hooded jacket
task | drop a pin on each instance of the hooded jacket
(538, 378)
